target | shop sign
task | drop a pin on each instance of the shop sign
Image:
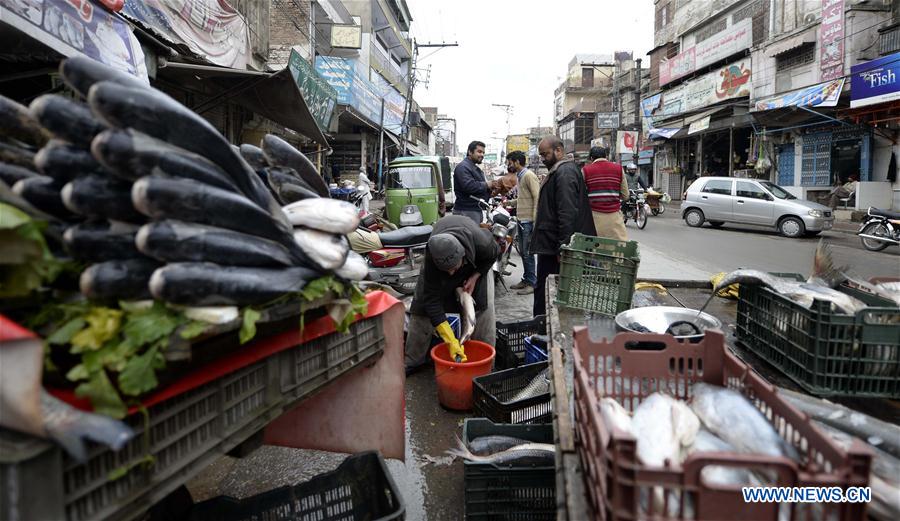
(729, 82)
(75, 28)
(517, 142)
(210, 29)
(699, 126)
(607, 120)
(736, 38)
(875, 81)
(831, 39)
(821, 95)
(645, 153)
(355, 90)
(490, 158)
(319, 96)
(626, 141)
(346, 36)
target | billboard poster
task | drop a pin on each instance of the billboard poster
(875, 81)
(607, 120)
(319, 96)
(736, 38)
(210, 29)
(517, 142)
(831, 40)
(626, 142)
(78, 28)
(355, 90)
(729, 82)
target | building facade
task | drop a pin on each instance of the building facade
(765, 89)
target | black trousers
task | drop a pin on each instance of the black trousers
(546, 265)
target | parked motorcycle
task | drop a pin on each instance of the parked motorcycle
(880, 229)
(636, 208)
(505, 229)
(394, 257)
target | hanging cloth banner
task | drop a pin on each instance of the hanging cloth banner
(209, 29)
(821, 95)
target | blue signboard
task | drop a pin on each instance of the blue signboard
(875, 81)
(355, 90)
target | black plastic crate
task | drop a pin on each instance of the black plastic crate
(361, 488)
(826, 353)
(494, 396)
(509, 493)
(510, 346)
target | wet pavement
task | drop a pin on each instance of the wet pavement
(430, 482)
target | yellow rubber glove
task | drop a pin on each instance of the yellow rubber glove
(446, 333)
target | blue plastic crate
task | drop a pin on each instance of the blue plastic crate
(533, 353)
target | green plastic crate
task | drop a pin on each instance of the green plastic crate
(826, 353)
(597, 274)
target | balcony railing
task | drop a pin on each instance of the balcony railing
(889, 40)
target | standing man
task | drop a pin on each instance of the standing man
(469, 180)
(563, 209)
(607, 188)
(459, 253)
(525, 203)
(364, 187)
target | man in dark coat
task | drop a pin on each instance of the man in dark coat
(459, 254)
(468, 181)
(563, 209)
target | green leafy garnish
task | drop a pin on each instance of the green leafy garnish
(103, 396)
(103, 324)
(193, 329)
(248, 325)
(139, 374)
(26, 263)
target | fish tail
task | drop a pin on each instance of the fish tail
(823, 266)
(461, 451)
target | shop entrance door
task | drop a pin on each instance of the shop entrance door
(845, 160)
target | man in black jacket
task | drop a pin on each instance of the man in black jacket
(563, 209)
(459, 254)
(469, 180)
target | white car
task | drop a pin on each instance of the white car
(718, 200)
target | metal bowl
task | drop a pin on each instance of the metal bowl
(657, 319)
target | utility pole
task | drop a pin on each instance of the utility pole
(508, 109)
(407, 107)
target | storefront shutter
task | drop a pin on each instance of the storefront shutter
(816, 160)
(786, 165)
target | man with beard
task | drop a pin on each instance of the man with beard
(563, 209)
(469, 181)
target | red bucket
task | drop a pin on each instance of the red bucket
(454, 380)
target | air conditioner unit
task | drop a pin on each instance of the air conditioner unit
(809, 18)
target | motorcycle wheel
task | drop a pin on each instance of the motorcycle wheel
(655, 211)
(878, 229)
(662, 208)
(640, 218)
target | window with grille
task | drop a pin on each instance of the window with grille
(584, 130)
(802, 55)
(716, 27)
(758, 11)
(587, 77)
(672, 50)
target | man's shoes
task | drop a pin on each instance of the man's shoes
(527, 290)
(520, 285)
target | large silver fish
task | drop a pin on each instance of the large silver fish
(537, 386)
(354, 268)
(325, 250)
(326, 215)
(466, 315)
(615, 416)
(803, 293)
(731, 417)
(492, 444)
(528, 454)
(663, 426)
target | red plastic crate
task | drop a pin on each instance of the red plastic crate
(634, 366)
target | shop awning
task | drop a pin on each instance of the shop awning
(793, 42)
(275, 96)
(821, 95)
(664, 133)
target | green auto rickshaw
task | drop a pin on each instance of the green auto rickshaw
(414, 189)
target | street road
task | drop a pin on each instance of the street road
(671, 249)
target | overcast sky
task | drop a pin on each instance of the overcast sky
(516, 52)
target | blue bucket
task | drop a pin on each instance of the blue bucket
(533, 353)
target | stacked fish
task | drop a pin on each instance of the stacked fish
(668, 430)
(164, 207)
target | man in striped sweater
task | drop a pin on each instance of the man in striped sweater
(607, 188)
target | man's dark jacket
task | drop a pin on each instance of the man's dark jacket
(563, 209)
(436, 289)
(468, 180)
